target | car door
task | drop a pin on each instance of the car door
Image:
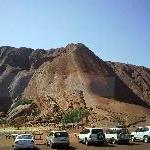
(139, 134)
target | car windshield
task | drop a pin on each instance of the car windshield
(138, 129)
(61, 134)
(24, 137)
(96, 131)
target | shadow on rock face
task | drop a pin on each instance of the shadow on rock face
(5, 103)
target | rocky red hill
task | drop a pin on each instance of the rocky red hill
(72, 77)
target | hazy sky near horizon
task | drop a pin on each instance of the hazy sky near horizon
(116, 30)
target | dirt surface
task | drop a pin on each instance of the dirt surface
(6, 144)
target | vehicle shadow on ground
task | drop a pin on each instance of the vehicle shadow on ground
(105, 145)
(132, 144)
(65, 148)
(36, 148)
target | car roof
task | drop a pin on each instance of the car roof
(116, 128)
(58, 131)
(147, 126)
(92, 128)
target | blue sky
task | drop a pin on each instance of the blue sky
(116, 30)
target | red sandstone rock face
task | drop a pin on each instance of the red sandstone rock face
(73, 77)
(135, 78)
(76, 69)
(77, 78)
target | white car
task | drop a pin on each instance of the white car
(141, 134)
(91, 135)
(24, 141)
(56, 138)
(117, 135)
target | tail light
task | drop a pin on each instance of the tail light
(32, 141)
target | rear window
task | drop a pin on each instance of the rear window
(96, 131)
(61, 134)
(24, 137)
(113, 131)
(123, 131)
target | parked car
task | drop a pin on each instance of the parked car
(56, 138)
(92, 135)
(117, 135)
(141, 134)
(24, 141)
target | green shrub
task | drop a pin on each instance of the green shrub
(75, 115)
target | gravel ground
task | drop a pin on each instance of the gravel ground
(6, 144)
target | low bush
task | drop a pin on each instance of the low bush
(75, 115)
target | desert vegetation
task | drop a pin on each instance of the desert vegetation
(75, 115)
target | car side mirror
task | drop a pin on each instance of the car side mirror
(13, 145)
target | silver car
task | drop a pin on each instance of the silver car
(24, 141)
(55, 138)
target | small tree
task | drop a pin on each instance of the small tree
(75, 115)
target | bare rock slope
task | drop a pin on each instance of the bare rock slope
(73, 77)
(137, 78)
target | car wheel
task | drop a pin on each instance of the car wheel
(132, 139)
(86, 142)
(126, 142)
(51, 145)
(146, 139)
(113, 141)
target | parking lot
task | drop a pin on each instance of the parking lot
(6, 144)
